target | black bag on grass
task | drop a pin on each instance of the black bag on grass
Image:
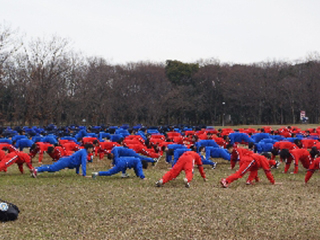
(8, 211)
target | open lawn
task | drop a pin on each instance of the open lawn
(64, 205)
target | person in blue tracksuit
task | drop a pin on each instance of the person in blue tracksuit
(261, 147)
(214, 152)
(206, 143)
(76, 160)
(257, 137)
(118, 152)
(23, 143)
(122, 164)
(237, 137)
(178, 153)
(169, 150)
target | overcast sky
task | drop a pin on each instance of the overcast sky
(121, 31)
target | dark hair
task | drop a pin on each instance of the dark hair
(267, 155)
(229, 146)
(275, 151)
(314, 151)
(88, 145)
(110, 156)
(95, 142)
(200, 148)
(170, 152)
(251, 145)
(50, 149)
(144, 164)
(284, 153)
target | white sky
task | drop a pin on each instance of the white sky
(121, 31)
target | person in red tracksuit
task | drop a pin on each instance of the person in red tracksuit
(251, 163)
(2, 156)
(186, 162)
(71, 147)
(39, 147)
(312, 168)
(236, 154)
(56, 153)
(8, 146)
(139, 148)
(103, 148)
(278, 146)
(296, 155)
(16, 157)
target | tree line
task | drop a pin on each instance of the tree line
(45, 81)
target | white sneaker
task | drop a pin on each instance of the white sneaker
(214, 165)
(95, 175)
(34, 173)
(125, 175)
(186, 183)
(159, 183)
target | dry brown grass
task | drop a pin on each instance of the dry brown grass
(63, 205)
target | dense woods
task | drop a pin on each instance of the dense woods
(44, 81)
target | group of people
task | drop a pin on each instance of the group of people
(254, 149)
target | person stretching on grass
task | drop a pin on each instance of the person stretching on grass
(76, 160)
(312, 168)
(251, 163)
(121, 165)
(16, 157)
(186, 162)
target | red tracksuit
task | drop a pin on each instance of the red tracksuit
(71, 147)
(40, 148)
(237, 154)
(295, 155)
(58, 153)
(312, 168)
(186, 162)
(283, 145)
(16, 157)
(308, 143)
(139, 148)
(105, 147)
(252, 163)
(10, 147)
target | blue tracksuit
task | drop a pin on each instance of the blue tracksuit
(127, 152)
(74, 161)
(173, 146)
(206, 143)
(239, 137)
(177, 153)
(263, 147)
(257, 137)
(217, 153)
(23, 143)
(122, 164)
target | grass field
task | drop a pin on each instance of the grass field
(63, 205)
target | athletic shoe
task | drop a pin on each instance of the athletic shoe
(249, 183)
(34, 173)
(159, 183)
(95, 175)
(277, 164)
(224, 183)
(214, 165)
(186, 183)
(125, 175)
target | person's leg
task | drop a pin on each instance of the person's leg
(173, 172)
(57, 166)
(116, 169)
(138, 169)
